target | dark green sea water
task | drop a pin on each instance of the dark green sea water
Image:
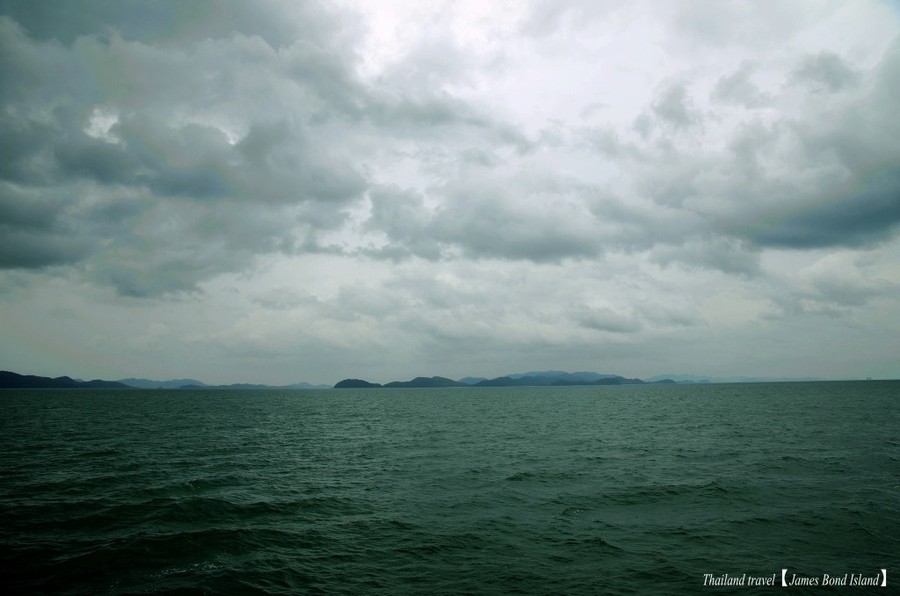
(587, 490)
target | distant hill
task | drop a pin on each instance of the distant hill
(11, 380)
(427, 382)
(565, 376)
(170, 384)
(549, 378)
(195, 384)
(556, 381)
(356, 384)
(689, 379)
(542, 378)
(418, 382)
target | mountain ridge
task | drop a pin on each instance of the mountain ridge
(11, 380)
(545, 378)
(551, 378)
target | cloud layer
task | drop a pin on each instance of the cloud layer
(461, 188)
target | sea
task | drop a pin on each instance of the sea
(791, 488)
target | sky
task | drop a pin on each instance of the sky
(285, 191)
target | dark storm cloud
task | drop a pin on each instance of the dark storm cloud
(24, 144)
(826, 177)
(832, 291)
(711, 252)
(861, 217)
(853, 292)
(81, 156)
(477, 219)
(826, 71)
(401, 215)
(27, 249)
(414, 116)
(670, 235)
(172, 247)
(739, 88)
(858, 139)
(604, 319)
(289, 186)
(184, 139)
(96, 123)
(492, 229)
(675, 108)
(159, 21)
(34, 233)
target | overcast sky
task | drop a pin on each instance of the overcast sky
(306, 191)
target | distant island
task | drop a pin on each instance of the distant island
(11, 380)
(529, 379)
(546, 378)
(195, 384)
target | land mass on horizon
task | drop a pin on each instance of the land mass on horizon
(546, 378)
(11, 380)
(530, 379)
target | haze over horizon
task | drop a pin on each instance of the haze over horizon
(275, 192)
